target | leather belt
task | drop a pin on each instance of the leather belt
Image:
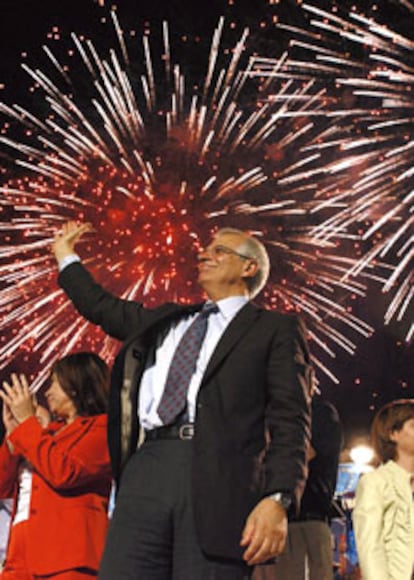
(184, 432)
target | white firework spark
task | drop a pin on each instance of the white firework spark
(373, 68)
(157, 162)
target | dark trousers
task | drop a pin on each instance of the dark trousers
(152, 535)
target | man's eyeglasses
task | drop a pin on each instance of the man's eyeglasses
(220, 251)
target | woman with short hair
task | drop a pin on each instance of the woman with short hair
(384, 509)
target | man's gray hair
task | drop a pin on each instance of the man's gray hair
(252, 248)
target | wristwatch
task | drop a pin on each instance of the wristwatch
(285, 499)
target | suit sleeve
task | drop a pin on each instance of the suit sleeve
(117, 317)
(9, 466)
(368, 524)
(288, 409)
(326, 440)
(60, 463)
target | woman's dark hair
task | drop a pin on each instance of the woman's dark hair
(84, 377)
(390, 418)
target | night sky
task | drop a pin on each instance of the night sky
(382, 368)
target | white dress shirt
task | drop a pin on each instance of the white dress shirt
(24, 494)
(154, 378)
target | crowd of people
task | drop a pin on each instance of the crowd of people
(223, 457)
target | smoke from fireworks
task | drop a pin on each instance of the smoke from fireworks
(157, 161)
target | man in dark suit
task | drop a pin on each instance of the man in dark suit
(201, 494)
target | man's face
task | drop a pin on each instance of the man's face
(221, 271)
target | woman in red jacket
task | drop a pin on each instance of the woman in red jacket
(59, 475)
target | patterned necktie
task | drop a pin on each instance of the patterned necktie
(182, 367)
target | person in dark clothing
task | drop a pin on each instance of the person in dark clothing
(308, 551)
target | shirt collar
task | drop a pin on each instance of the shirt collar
(398, 469)
(229, 307)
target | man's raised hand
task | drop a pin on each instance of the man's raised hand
(67, 238)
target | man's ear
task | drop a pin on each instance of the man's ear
(250, 269)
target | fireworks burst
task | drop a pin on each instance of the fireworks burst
(380, 194)
(157, 161)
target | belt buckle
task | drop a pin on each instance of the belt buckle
(186, 432)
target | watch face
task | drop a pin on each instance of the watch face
(283, 498)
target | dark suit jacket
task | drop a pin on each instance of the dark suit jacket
(258, 378)
(326, 439)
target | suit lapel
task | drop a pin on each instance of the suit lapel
(231, 336)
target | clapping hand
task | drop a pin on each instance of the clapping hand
(18, 403)
(9, 421)
(42, 415)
